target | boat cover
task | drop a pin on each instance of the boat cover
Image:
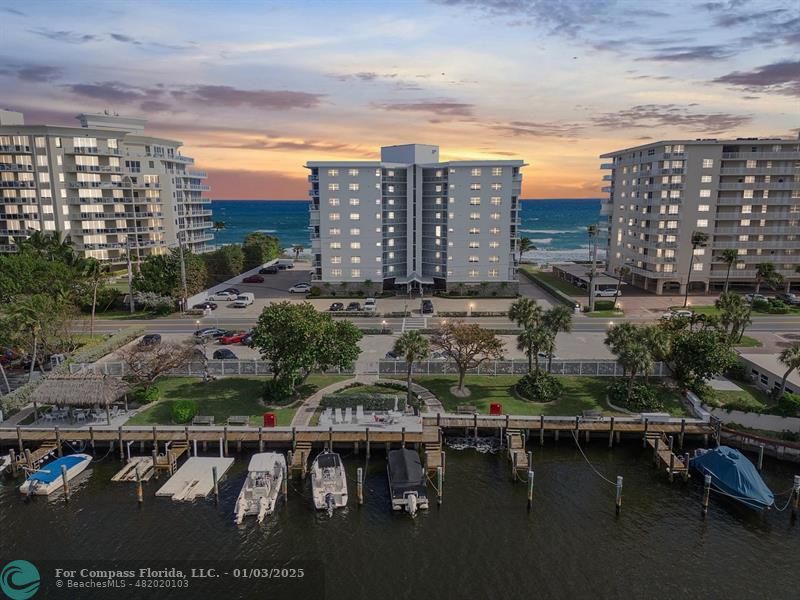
(328, 460)
(734, 474)
(265, 461)
(52, 471)
(405, 471)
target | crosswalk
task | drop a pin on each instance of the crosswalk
(414, 324)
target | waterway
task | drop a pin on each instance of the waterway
(481, 543)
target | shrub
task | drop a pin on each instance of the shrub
(183, 411)
(368, 401)
(539, 388)
(278, 392)
(315, 291)
(788, 405)
(761, 305)
(738, 372)
(146, 395)
(777, 306)
(603, 304)
(643, 397)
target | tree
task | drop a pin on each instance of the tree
(259, 248)
(145, 364)
(767, 274)
(298, 250)
(26, 273)
(225, 263)
(734, 315)
(161, 274)
(413, 347)
(468, 345)
(527, 314)
(95, 274)
(636, 349)
(699, 240)
(557, 319)
(790, 358)
(219, 225)
(622, 272)
(729, 256)
(525, 244)
(593, 232)
(51, 245)
(696, 356)
(6, 341)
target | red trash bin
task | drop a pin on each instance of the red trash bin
(270, 420)
(495, 408)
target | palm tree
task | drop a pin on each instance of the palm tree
(790, 357)
(297, 249)
(5, 342)
(729, 256)
(412, 346)
(525, 244)
(527, 314)
(95, 273)
(557, 319)
(699, 240)
(219, 225)
(622, 272)
(25, 314)
(592, 231)
(734, 315)
(620, 336)
(636, 349)
(766, 273)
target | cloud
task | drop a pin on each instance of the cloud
(13, 11)
(257, 185)
(108, 91)
(779, 78)
(670, 115)
(31, 73)
(125, 39)
(441, 108)
(151, 106)
(223, 95)
(689, 53)
(539, 129)
(68, 37)
(284, 143)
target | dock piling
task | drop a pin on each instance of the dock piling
(366, 434)
(443, 465)
(221, 448)
(611, 434)
(216, 483)
(530, 488)
(294, 438)
(360, 485)
(706, 493)
(12, 461)
(19, 440)
(155, 438)
(796, 499)
(439, 484)
(91, 437)
(671, 467)
(541, 430)
(139, 491)
(285, 485)
(225, 437)
(686, 463)
(618, 499)
(194, 447)
(655, 452)
(330, 439)
(760, 456)
(58, 442)
(514, 466)
(155, 463)
(65, 482)
(670, 441)
(680, 435)
(28, 459)
(261, 439)
(475, 425)
(403, 438)
(644, 435)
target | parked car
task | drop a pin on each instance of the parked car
(253, 279)
(224, 296)
(205, 306)
(426, 307)
(607, 293)
(224, 354)
(546, 356)
(750, 298)
(247, 340)
(353, 306)
(270, 270)
(244, 300)
(790, 298)
(392, 356)
(209, 333)
(439, 356)
(232, 290)
(151, 339)
(281, 266)
(336, 307)
(678, 313)
(198, 353)
(300, 288)
(369, 305)
(232, 337)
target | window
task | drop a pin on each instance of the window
(698, 266)
(112, 143)
(354, 201)
(390, 215)
(334, 216)
(493, 272)
(355, 231)
(705, 179)
(673, 209)
(497, 171)
(352, 172)
(475, 186)
(495, 216)
(336, 272)
(476, 201)
(494, 259)
(669, 268)
(334, 231)
(475, 244)
(333, 187)
(355, 272)
(494, 244)
(336, 260)
(703, 208)
(495, 231)
(702, 222)
(476, 172)
(333, 201)
(495, 201)
(708, 163)
(497, 186)
(335, 245)
(747, 209)
(377, 172)
(355, 216)
(747, 194)
(353, 187)
(473, 273)
(474, 216)
(699, 251)
(474, 231)
(705, 193)
(355, 260)
(333, 172)
(355, 245)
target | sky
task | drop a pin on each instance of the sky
(256, 89)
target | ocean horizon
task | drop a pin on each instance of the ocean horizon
(556, 226)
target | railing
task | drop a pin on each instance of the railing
(15, 167)
(787, 155)
(215, 367)
(759, 171)
(758, 185)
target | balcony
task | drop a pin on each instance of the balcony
(13, 148)
(765, 245)
(759, 171)
(313, 178)
(608, 178)
(607, 189)
(92, 169)
(760, 185)
(767, 230)
(15, 167)
(607, 166)
(784, 155)
(773, 201)
(196, 174)
(17, 184)
(201, 225)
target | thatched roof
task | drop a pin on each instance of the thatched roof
(79, 389)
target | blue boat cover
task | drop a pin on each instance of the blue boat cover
(734, 474)
(52, 471)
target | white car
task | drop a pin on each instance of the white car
(750, 298)
(223, 296)
(369, 305)
(677, 314)
(300, 288)
(607, 293)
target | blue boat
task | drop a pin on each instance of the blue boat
(733, 474)
(48, 478)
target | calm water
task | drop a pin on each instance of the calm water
(556, 227)
(482, 543)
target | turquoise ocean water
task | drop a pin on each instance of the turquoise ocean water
(557, 227)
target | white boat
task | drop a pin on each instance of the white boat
(328, 482)
(48, 479)
(260, 491)
(5, 463)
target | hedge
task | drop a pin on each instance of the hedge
(555, 292)
(368, 401)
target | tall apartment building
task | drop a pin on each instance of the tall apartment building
(106, 183)
(413, 223)
(743, 193)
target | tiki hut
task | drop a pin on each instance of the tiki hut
(79, 390)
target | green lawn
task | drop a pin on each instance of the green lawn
(749, 396)
(710, 309)
(749, 342)
(607, 314)
(224, 397)
(555, 281)
(580, 393)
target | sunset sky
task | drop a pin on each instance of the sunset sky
(255, 89)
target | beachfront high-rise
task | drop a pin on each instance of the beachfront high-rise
(106, 183)
(744, 194)
(413, 223)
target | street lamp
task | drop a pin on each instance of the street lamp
(197, 325)
(471, 306)
(383, 326)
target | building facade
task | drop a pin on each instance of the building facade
(106, 184)
(412, 223)
(744, 194)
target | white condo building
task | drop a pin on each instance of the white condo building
(106, 184)
(413, 223)
(744, 194)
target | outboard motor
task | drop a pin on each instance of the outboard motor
(330, 503)
(411, 504)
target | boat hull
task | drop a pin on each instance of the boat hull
(45, 488)
(259, 495)
(734, 476)
(328, 482)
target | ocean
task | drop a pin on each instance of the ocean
(557, 227)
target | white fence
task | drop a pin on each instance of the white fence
(596, 368)
(756, 420)
(216, 368)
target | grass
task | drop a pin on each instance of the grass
(749, 342)
(710, 309)
(749, 396)
(556, 282)
(580, 393)
(607, 314)
(121, 315)
(225, 397)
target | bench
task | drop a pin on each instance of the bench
(238, 420)
(202, 420)
(592, 415)
(466, 409)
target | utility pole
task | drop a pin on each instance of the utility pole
(130, 275)
(183, 271)
(592, 229)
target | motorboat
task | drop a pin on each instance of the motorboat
(733, 475)
(328, 482)
(47, 479)
(260, 491)
(5, 463)
(406, 481)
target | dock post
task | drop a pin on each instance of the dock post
(139, 491)
(194, 447)
(91, 437)
(443, 465)
(587, 436)
(225, 438)
(655, 451)
(671, 442)
(285, 484)
(705, 440)
(155, 438)
(360, 485)
(760, 456)
(680, 436)
(530, 487)
(671, 467)
(577, 425)
(514, 466)
(439, 420)
(216, 483)
(555, 435)
(288, 461)
(366, 432)
(294, 438)
(530, 459)
(303, 460)
(330, 438)
(439, 484)
(706, 493)
(19, 440)
(261, 439)
(796, 499)
(644, 436)
(186, 436)
(155, 463)
(403, 438)
(58, 442)
(13, 462)
(28, 459)
(611, 434)
(239, 445)
(65, 482)
(686, 464)
(541, 430)
(618, 500)
(475, 425)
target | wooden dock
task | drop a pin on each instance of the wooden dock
(300, 457)
(515, 440)
(142, 464)
(195, 479)
(169, 460)
(664, 457)
(434, 454)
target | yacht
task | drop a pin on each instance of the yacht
(328, 482)
(260, 491)
(407, 481)
(47, 479)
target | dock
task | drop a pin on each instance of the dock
(665, 458)
(517, 454)
(142, 464)
(195, 479)
(434, 454)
